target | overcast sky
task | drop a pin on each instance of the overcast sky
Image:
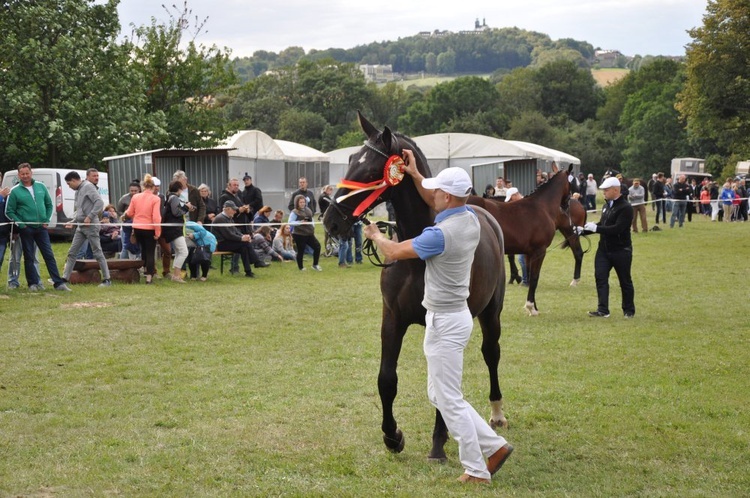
(656, 27)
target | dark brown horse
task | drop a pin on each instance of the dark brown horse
(402, 283)
(566, 220)
(529, 226)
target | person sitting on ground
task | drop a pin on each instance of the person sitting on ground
(283, 243)
(109, 233)
(262, 245)
(197, 236)
(261, 217)
(276, 222)
(230, 239)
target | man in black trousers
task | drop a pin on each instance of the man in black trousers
(615, 249)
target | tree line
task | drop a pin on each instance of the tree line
(73, 92)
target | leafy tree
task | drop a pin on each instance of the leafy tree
(446, 62)
(182, 83)
(67, 96)
(331, 89)
(568, 91)
(519, 92)
(453, 102)
(716, 98)
(533, 127)
(302, 127)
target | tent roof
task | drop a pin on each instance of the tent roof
(258, 145)
(556, 155)
(341, 156)
(467, 145)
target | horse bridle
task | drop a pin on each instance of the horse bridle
(393, 173)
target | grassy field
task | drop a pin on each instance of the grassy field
(267, 387)
(608, 76)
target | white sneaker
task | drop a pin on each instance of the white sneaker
(317, 268)
(63, 287)
(36, 287)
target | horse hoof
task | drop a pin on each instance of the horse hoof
(502, 423)
(574, 283)
(395, 444)
(440, 460)
(531, 309)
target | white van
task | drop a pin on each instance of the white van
(63, 197)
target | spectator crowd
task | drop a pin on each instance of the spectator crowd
(181, 226)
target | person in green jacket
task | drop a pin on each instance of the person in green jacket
(30, 207)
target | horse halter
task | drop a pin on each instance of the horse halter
(393, 173)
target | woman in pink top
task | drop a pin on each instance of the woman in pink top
(145, 211)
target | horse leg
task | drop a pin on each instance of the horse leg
(391, 338)
(534, 265)
(574, 242)
(514, 277)
(489, 320)
(439, 438)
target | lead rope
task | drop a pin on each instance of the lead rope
(370, 249)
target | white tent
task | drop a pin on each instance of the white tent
(255, 144)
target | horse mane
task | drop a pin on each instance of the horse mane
(546, 185)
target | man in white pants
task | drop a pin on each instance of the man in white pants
(448, 251)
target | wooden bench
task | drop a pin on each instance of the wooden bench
(86, 271)
(224, 255)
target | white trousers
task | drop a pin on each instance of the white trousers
(445, 339)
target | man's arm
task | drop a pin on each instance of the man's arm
(392, 250)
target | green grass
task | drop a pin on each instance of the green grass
(267, 387)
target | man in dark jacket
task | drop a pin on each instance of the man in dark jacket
(230, 239)
(659, 195)
(307, 194)
(680, 193)
(241, 215)
(251, 196)
(615, 249)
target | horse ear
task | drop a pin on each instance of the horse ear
(570, 168)
(366, 126)
(554, 167)
(387, 138)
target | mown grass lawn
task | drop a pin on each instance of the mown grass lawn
(267, 387)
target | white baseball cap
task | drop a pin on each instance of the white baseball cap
(609, 183)
(510, 193)
(455, 181)
(157, 182)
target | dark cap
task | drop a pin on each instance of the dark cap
(231, 205)
(247, 177)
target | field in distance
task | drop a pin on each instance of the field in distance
(603, 77)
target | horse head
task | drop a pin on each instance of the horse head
(610, 172)
(375, 175)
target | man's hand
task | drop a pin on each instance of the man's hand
(410, 164)
(87, 221)
(371, 231)
(590, 226)
(578, 230)
(68, 226)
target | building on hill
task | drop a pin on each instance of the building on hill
(609, 58)
(377, 73)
